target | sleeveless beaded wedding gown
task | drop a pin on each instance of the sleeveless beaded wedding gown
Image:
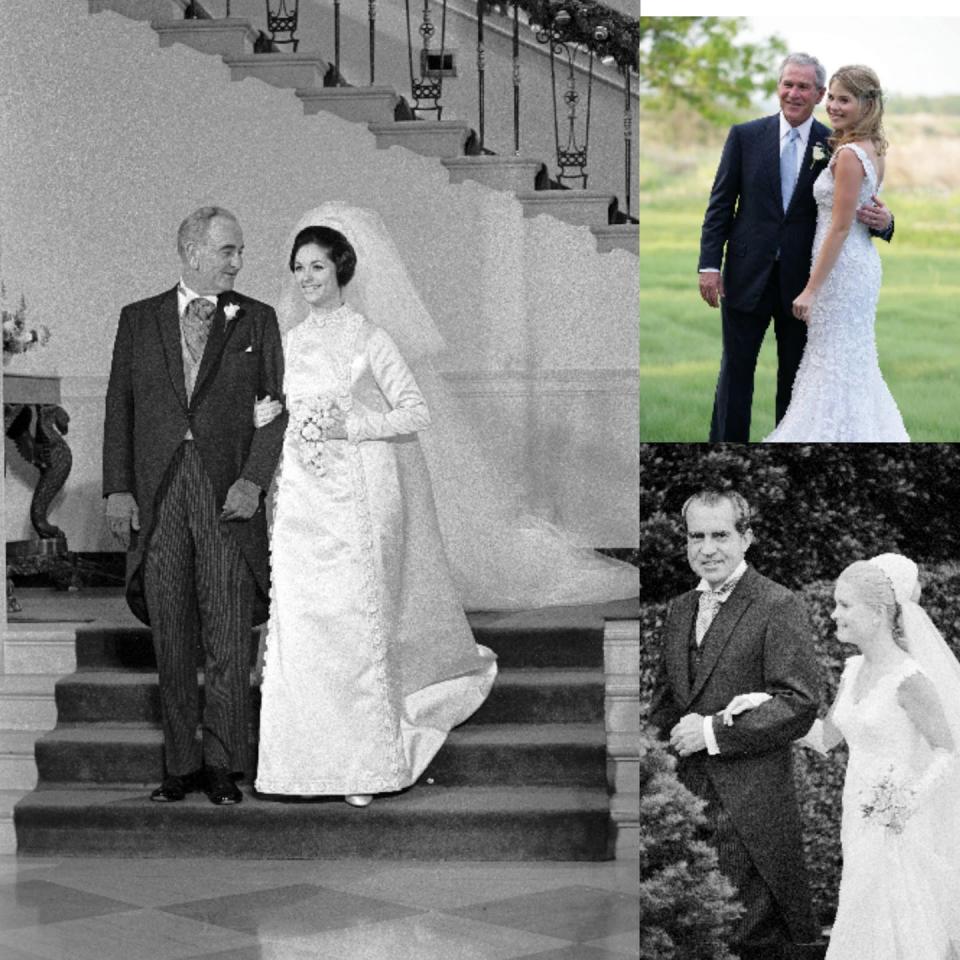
(839, 394)
(897, 893)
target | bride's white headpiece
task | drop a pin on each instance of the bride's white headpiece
(381, 288)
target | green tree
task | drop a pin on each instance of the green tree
(702, 62)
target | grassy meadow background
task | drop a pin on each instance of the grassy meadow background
(918, 318)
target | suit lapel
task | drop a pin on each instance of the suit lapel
(806, 174)
(168, 321)
(721, 630)
(771, 158)
(678, 663)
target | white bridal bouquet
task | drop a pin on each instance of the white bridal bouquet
(313, 417)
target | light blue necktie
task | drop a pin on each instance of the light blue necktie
(788, 167)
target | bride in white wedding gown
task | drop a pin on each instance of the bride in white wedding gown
(839, 394)
(898, 709)
(381, 534)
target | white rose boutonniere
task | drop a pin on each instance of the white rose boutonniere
(819, 153)
(231, 310)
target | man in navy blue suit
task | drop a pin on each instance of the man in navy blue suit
(762, 211)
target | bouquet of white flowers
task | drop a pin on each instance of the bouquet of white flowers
(888, 802)
(313, 417)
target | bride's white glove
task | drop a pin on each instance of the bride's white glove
(940, 767)
(740, 703)
(266, 411)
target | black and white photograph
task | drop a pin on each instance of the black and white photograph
(322, 635)
(799, 681)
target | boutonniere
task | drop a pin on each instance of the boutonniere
(230, 310)
(819, 153)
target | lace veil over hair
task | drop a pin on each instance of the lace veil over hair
(500, 558)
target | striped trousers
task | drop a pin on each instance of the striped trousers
(199, 589)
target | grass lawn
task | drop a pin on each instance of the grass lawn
(918, 318)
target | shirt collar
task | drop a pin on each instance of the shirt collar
(185, 295)
(803, 129)
(725, 588)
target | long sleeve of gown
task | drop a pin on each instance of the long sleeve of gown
(407, 411)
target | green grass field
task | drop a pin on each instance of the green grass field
(918, 319)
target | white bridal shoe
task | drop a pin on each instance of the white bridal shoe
(359, 799)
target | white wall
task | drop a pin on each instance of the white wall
(109, 140)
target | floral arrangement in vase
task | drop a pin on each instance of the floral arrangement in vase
(17, 336)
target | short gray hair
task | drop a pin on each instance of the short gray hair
(194, 228)
(805, 60)
(710, 498)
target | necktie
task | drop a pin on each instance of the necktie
(197, 320)
(788, 167)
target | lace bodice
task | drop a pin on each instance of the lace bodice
(880, 735)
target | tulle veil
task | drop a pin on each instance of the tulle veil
(501, 558)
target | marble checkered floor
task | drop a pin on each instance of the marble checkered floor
(103, 909)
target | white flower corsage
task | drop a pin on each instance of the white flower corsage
(820, 153)
(312, 418)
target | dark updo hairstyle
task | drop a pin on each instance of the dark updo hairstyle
(338, 247)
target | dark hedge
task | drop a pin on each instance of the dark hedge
(820, 779)
(816, 507)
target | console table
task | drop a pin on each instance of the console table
(35, 421)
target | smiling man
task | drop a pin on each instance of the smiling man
(759, 226)
(738, 632)
(185, 468)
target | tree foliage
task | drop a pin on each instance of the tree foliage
(704, 63)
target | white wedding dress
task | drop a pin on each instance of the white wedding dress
(369, 658)
(839, 394)
(898, 892)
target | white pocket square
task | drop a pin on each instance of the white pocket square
(249, 349)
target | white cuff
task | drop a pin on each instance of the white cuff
(709, 270)
(814, 739)
(710, 737)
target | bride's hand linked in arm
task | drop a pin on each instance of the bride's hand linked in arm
(822, 736)
(266, 411)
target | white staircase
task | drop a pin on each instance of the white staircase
(35, 656)
(233, 40)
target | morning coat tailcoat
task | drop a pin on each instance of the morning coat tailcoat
(760, 641)
(148, 415)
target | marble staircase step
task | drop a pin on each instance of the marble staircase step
(617, 236)
(431, 138)
(580, 207)
(516, 174)
(141, 9)
(357, 104)
(8, 834)
(228, 38)
(18, 770)
(279, 69)
(30, 648)
(27, 702)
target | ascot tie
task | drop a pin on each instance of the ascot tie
(197, 320)
(788, 167)
(710, 603)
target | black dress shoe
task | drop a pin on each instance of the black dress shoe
(220, 787)
(175, 787)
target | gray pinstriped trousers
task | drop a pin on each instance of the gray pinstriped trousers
(199, 587)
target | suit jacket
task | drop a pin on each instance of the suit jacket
(759, 641)
(745, 214)
(148, 414)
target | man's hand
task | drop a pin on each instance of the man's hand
(875, 215)
(687, 736)
(243, 499)
(711, 287)
(123, 514)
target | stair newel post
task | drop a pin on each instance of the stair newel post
(481, 65)
(516, 77)
(372, 17)
(336, 40)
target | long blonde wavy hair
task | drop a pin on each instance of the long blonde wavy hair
(862, 83)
